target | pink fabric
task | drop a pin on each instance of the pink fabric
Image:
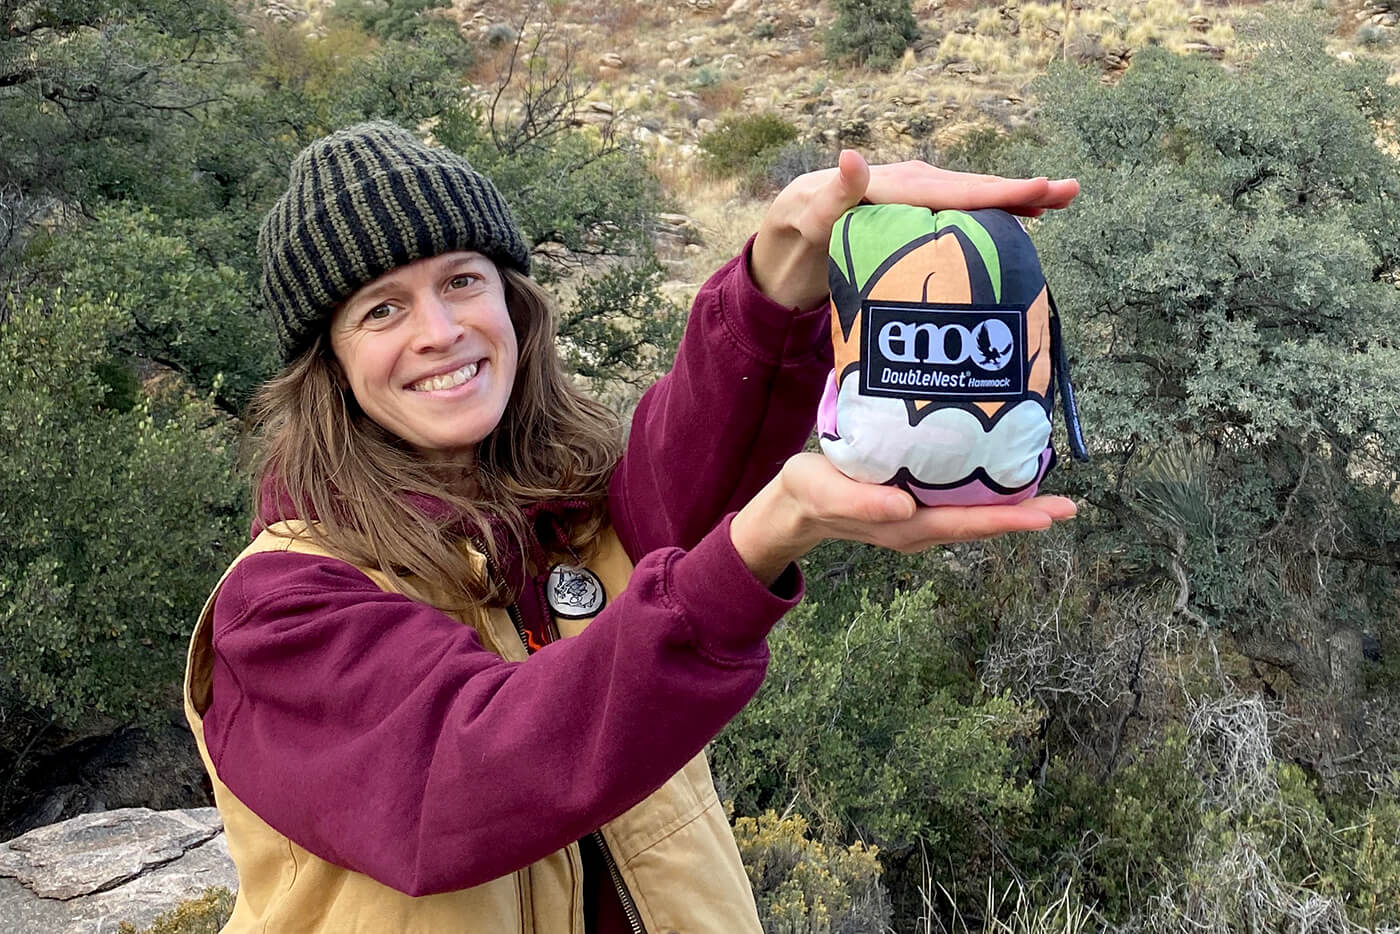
(826, 409)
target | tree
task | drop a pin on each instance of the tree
(120, 503)
(87, 90)
(1228, 278)
(873, 33)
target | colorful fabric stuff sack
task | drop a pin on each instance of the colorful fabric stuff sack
(948, 354)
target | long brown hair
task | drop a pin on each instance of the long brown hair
(367, 488)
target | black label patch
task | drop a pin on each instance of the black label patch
(574, 593)
(966, 352)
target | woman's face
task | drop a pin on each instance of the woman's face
(430, 353)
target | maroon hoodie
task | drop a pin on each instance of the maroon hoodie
(380, 735)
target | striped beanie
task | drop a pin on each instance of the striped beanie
(361, 202)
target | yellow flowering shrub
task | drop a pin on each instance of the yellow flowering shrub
(806, 887)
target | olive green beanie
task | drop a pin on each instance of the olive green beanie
(361, 202)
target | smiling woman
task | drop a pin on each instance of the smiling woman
(429, 352)
(463, 675)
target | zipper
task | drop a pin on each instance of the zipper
(513, 611)
(629, 907)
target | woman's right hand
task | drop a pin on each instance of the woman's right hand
(810, 501)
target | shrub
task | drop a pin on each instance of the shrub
(501, 34)
(621, 329)
(1375, 36)
(873, 33)
(788, 161)
(203, 915)
(872, 717)
(739, 144)
(1238, 232)
(805, 887)
(120, 509)
(400, 19)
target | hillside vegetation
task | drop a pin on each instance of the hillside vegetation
(1180, 713)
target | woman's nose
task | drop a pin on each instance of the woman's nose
(438, 327)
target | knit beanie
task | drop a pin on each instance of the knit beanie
(361, 202)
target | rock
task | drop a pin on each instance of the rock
(677, 230)
(1117, 59)
(600, 107)
(737, 8)
(611, 60)
(666, 64)
(853, 131)
(88, 873)
(962, 68)
(1203, 48)
(701, 6)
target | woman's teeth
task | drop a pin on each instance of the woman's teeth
(446, 380)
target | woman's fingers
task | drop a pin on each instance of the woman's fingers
(838, 192)
(939, 189)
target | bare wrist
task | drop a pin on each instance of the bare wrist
(768, 533)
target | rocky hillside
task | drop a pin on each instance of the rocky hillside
(666, 74)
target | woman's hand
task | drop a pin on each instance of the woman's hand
(790, 253)
(810, 501)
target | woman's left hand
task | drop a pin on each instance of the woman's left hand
(789, 261)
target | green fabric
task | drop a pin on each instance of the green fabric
(867, 235)
(361, 202)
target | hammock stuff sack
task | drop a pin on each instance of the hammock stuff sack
(948, 354)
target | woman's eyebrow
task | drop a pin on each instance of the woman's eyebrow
(369, 293)
(475, 259)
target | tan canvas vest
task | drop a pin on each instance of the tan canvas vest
(674, 850)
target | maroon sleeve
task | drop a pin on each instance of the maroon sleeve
(379, 734)
(739, 401)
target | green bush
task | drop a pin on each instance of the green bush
(785, 163)
(405, 20)
(621, 328)
(872, 718)
(740, 145)
(805, 887)
(120, 509)
(206, 914)
(1227, 279)
(873, 33)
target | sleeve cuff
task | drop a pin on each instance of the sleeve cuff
(767, 327)
(731, 611)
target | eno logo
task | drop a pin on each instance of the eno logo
(988, 344)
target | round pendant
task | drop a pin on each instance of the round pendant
(574, 593)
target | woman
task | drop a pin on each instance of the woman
(425, 464)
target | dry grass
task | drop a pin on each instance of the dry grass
(724, 217)
(1021, 42)
(722, 97)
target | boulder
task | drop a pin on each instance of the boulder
(88, 874)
